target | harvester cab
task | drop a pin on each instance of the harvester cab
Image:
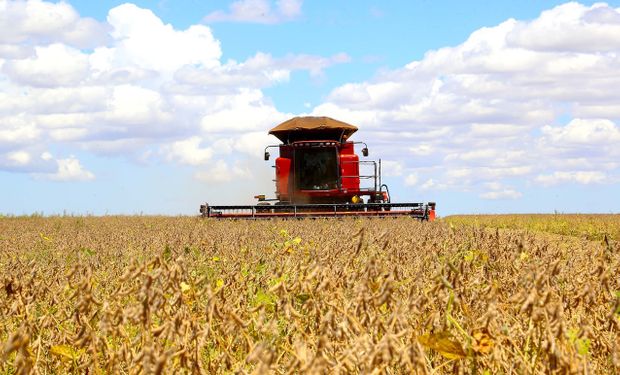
(318, 164)
(318, 174)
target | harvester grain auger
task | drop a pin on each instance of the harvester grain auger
(318, 175)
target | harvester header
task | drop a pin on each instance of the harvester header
(318, 174)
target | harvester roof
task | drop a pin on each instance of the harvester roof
(313, 128)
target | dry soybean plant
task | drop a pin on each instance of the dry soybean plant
(590, 226)
(186, 295)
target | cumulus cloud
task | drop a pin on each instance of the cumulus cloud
(17, 130)
(498, 191)
(583, 151)
(247, 111)
(131, 104)
(431, 184)
(258, 11)
(259, 71)
(501, 194)
(139, 89)
(223, 172)
(39, 22)
(188, 151)
(19, 158)
(520, 102)
(44, 166)
(411, 179)
(249, 143)
(421, 149)
(392, 168)
(594, 132)
(494, 106)
(580, 177)
(52, 66)
(571, 27)
(70, 169)
(142, 40)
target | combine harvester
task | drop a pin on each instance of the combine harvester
(318, 175)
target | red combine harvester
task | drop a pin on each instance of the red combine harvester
(318, 175)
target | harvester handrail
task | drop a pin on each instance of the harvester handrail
(373, 176)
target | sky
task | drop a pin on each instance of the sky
(154, 107)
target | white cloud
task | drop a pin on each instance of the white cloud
(422, 149)
(498, 191)
(247, 111)
(15, 52)
(289, 8)
(53, 65)
(495, 130)
(258, 11)
(19, 157)
(223, 172)
(486, 110)
(136, 90)
(68, 134)
(127, 147)
(261, 70)
(188, 151)
(17, 130)
(584, 131)
(36, 21)
(69, 169)
(136, 105)
(252, 143)
(474, 155)
(571, 27)
(411, 179)
(54, 101)
(430, 184)
(580, 177)
(481, 111)
(392, 168)
(501, 194)
(460, 173)
(142, 40)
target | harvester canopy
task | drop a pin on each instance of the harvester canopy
(313, 128)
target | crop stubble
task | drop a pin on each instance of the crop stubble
(174, 295)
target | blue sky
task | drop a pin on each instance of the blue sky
(154, 107)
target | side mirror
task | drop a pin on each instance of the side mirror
(266, 155)
(365, 151)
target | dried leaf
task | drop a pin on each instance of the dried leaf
(482, 343)
(442, 343)
(66, 351)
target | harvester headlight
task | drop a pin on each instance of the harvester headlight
(356, 199)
